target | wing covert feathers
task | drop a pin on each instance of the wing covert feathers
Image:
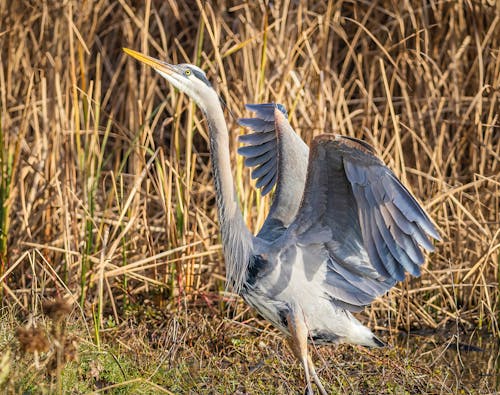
(377, 229)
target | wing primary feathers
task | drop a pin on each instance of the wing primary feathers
(257, 124)
(390, 264)
(402, 230)
(252, 151)
(390, 196)
(257, 138)
(399, 254)
(264, 180)
(261, 151)
(409, 207)
(266, 110)
(410, 228)
(375, 258)
(380, 231)
(266, 189)
(257, 160)
(404, 240)
(269, 166)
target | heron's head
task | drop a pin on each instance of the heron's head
(187, 78)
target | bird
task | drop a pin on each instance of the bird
(341, 230)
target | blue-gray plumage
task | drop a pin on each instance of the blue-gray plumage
(340, 232)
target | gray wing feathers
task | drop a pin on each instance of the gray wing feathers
(393, 223)
(408, 205)
(256, 160)
(258, 125)
(353, 215)
(376, 226)
(261, 151)
(257, 138)
(279, 157)
(251, 151)
(293, 155)
(264, 169)
(351, 288)
(265, 111)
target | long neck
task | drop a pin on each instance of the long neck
(236, 238)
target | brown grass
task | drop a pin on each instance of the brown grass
(105, 188)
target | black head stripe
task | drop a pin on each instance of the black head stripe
(201, 76)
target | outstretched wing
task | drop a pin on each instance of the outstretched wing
(279, 157)
(262, 145)
(360, 220)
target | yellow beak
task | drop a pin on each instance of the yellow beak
(154, 63)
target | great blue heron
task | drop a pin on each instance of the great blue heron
(341, 230)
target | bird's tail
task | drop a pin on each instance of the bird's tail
(360, 334)
(377, 342)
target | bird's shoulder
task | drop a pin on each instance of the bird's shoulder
(344, 147)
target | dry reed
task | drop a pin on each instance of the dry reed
(105, 189)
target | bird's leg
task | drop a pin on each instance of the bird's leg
(298, 342)
(315, 376)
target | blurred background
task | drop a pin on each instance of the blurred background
(111, 266)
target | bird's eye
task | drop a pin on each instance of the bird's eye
(187, 72)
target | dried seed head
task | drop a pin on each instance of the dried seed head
(70, 350)
(56, 309)
(65, 352)
(32, 339)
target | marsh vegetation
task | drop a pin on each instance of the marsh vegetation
(111, 269)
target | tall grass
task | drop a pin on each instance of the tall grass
(106, 190)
